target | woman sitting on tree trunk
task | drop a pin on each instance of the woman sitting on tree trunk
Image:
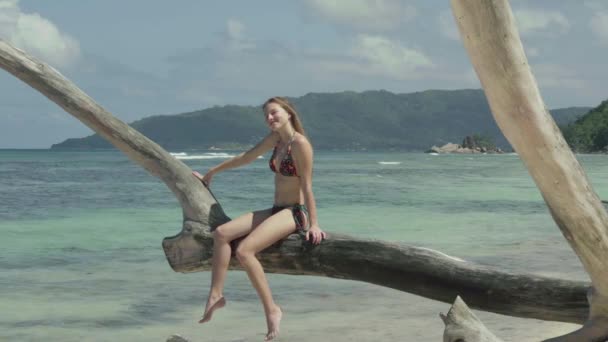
(293, 210)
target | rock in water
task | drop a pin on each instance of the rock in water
(469, 142)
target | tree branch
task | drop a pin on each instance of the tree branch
(490, 36)
(197, 203)
(416, 270)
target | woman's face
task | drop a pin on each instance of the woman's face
(275, 116)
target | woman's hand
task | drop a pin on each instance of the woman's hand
(315, 235)
(206, 179)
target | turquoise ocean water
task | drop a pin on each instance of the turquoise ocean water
(80, 255)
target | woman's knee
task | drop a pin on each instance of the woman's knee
(244, 253)
(222, 233)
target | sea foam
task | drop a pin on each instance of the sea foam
(209, 155)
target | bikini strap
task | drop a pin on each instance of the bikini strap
(293, 137)
(275, 150)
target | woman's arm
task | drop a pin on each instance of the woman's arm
(302, 151)
(242, 159)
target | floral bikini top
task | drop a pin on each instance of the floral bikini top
(287, 167)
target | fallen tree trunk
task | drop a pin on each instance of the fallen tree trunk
(490, 36)
(416, 270)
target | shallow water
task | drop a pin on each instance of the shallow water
(81, 260)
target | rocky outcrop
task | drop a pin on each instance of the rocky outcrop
(470, 142)
(469, 145)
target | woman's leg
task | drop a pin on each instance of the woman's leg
(222, 236)
(273, 229)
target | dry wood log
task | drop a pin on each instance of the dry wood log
(416, 270)
(461, 325)
(490, 36)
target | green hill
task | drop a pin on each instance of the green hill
(590, 132)
(347, 120)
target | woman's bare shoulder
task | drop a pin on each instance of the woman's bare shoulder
(300, 141)
(272, 138)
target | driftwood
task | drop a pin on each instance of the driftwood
(462, 325)
(416, 270)
(490, 36)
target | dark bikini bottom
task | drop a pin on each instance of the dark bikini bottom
(299, 212)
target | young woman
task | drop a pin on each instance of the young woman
(293, 210)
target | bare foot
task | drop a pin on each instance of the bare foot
(273, 321)
(213, 303)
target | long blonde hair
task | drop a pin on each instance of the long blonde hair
(289, 108)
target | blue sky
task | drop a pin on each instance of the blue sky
(140, 58)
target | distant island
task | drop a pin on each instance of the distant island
(347, 121)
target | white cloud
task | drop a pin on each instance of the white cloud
(532, 21)
(528, 22)
(235, 29)
(9, 14)
(374, 15)
(599, 25)
(388, 58)
(235, 38)
(36, 35)
(214, 75)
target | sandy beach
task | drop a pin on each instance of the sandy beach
(375, 314)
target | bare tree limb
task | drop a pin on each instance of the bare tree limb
(416, 270)
(198, 204)
(490, 36)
